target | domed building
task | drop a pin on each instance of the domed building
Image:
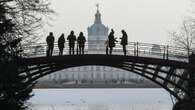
(97, 32)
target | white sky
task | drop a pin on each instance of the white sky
(144, 20)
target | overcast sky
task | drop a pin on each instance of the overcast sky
(144, 20)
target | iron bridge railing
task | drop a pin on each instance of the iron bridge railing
(133, 49)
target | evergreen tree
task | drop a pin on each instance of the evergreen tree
(15, 15)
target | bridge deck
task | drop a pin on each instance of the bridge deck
(101, 59)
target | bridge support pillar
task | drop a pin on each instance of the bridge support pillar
(188, 103)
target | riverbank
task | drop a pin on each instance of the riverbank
(49, 85)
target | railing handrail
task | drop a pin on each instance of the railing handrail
(134, 48)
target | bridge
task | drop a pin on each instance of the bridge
(162, 64)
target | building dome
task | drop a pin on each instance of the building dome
(97, 32)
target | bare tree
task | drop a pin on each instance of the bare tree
(28, 16)
(185, 37)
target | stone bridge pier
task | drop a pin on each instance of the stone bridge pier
(188, 102)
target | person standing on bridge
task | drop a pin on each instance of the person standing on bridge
(50, 44)
(71, 38)
(106, 44)
(124, 41)
(81, 43)
(111, 41)
(61, 41)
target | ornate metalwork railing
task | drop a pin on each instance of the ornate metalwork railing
(133, 49)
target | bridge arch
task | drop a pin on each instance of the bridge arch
(52, 70)
(150, 68)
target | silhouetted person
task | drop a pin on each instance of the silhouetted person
(111, 41)
(107, 46)
(61, 41)
(71, 38)
(81, 43)
(124, 41)
(50, 44)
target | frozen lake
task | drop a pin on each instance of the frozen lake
(101, 99)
